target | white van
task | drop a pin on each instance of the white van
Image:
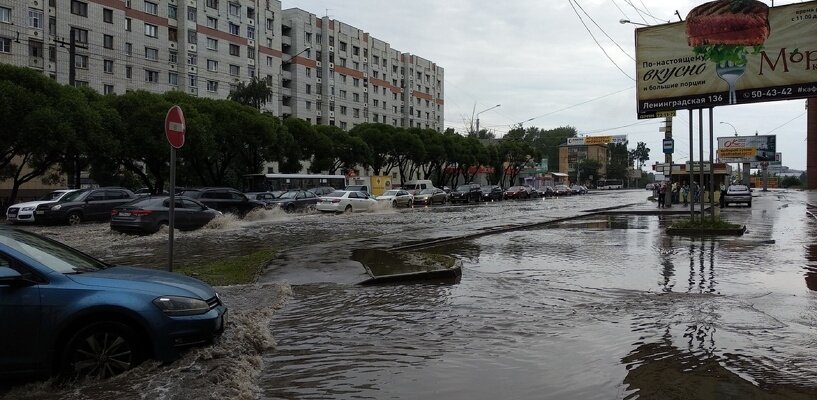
(416, 186)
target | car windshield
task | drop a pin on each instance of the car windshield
(75, 196)
(414, 186)
(427, 191)
(514, 188)
(335, 194)
(739, 188)
(288, 195)
(390, 193)
(52, 254)
(191, 193)
(52, 196)
(463, 188)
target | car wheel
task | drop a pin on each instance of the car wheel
(232, 210)
(289, 208)
(159, 226)
(410, 204)
(74, 218)
(101, 350)
(348, 209)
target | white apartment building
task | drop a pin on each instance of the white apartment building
(319, 69)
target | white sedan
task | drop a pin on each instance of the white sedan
(345, 201)
(24, 212)
(397, 197)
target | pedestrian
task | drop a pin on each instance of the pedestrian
(722, 195)
(696, 192)
(675, 192)
(662, 194)
(685, 194)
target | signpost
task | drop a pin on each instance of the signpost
(174, 131)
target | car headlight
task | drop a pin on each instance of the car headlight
(28, 208)
(176, 306)
(57, 207)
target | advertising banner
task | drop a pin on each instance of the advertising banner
(744, 149)
(777, 162)
(588, 140)
(765, 54)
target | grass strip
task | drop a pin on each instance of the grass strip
(230, 271)
(704, 224)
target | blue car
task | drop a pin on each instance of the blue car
(65, 312)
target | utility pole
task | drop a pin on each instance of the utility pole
(72, 80)
(668, 159)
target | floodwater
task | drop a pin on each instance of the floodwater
(599, 307)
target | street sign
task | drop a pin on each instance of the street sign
(669, 146)
(175, 127)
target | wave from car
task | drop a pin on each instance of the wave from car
(25, 212)
(345, 201)
(74, 314)
(148, 215)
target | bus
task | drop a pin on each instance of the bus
(607, 184)
(273, 182)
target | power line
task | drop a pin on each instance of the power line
(787, 122)
(603, 31)
(597, 42)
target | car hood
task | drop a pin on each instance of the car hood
(161, 283)
(385, 197)
(32, 203)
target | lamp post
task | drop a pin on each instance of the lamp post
(736, 134)
(487, 109)
(627, 21)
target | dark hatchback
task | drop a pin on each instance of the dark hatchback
(296, 200)
(149, 214)
(492, 192)
(517, 192)
(226, 200)
(84, 205)
(466, 193)
(70, 313)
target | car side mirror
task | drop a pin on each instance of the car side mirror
(10, 277)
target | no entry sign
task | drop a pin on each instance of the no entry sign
(174, 127)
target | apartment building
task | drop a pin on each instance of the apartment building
(319, 69)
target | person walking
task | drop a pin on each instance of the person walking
(685, 194)
(722, 195)
(662, 194)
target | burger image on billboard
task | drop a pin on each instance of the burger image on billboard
(721, 30)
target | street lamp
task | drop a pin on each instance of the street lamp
(281, 76)
(488, 109)
(733, 127)
(627, 21)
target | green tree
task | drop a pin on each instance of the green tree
(587, 168)
(618, 161)
(379, 138)
(641, 153)
(347, 150)
(253, 93)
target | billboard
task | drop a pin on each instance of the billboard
(744, 149)
(588, 140)
(769, 54)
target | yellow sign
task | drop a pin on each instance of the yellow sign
(597, 139)
(738, 152)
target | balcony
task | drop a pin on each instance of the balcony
(286, 41)
(36, 62)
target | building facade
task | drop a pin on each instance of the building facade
(321, 70)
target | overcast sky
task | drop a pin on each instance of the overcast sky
(538, 61)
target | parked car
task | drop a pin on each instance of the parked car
(578, 189)
(431, 196)
(82, 317)
(226, 200)
(83, 205)
(149, 214)
(397, 198)
(492, 193)
(264, 197)
(546, 191)
(738, 194)
(516, 192)
(322, 190)
(24, 212)
(296, 200)
(562, 190)
(415, 186)
(650, 186)
(466, 193)
(345, 201)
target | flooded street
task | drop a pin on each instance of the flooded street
(554, 302)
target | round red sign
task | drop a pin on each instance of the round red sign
(174, 127)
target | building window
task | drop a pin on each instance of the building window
(129, 49)
(35, 18)
(308, 37)
(107, 41)
(79, 8)
(107, 15)
(81, 61)
(192, 14)
(212, 3)
(355, 82)
(251, 32)
(356, 96)
(235, 70)
(212, 86)
(172, 34)
(128, 72)
(251, 72)
(356, 50)
(192, 59)
(233, 29)
(308, 89)
(270, 25)
(192, 37)
(172, 11)
(192, 81)
(151, 53)
(342, 110)
(107, 66)
(107, 89)
(251, 53)
(151, 8)
(212, 44)
(173, 56)
(127, 24)
(80, 35)
(212, 65)
(80, 83)
(151, 30)
(212, 23)
(235, 50)
(52, 26)
(234, 9)
(5, 15)
(342, 46)
(5, 45)
(269, 61)
(356, 112)
(173, 78)
(151, 76)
